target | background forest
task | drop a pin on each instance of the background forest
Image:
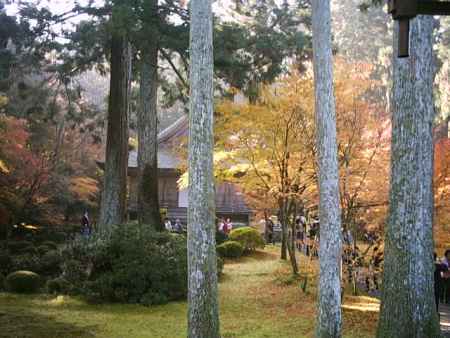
(54, 88)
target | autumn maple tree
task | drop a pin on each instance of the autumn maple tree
(268, 147)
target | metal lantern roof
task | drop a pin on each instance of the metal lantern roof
(405, 10)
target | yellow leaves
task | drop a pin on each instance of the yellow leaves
(133, 143)
(85, 188)
(224, 168)
(183, 181)
(3, 167)
(3, 100)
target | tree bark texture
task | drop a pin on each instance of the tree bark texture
(329, 308)
(147, 130)
(408, 308)
(113, 205)
(203, 312)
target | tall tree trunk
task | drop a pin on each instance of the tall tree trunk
(148, 204)
(113, 205)
(329, 309)
(203, 317)
(407, 308)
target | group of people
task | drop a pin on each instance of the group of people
(442, 279)
(306, 234)
(177, 227)
(225, 226)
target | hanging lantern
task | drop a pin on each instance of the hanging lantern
(405, 10)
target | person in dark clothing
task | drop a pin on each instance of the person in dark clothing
(85, 224)
(375, 269)
(269, 229)
(178, 227)
(439, 271)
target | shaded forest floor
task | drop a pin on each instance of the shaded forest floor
(258, 298)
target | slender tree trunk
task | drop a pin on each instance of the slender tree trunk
(329, 308)
(113, 203)
(407, 308)
(284, 232)
(148, 204)
(203, 317)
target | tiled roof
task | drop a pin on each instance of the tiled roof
(166, 158)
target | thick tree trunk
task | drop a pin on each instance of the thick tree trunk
(329, 308)
(203, 317)
(148, 204)
(113, 203)
(408, 308)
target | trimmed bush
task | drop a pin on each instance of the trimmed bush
(15, 247)
(5, 263)
(43, 249)
(220, 264)
(230, 249)
(58, 286)
(2, 281)
(249, 238)
(57, 237)
(29, 250)
(50, 244)
(50, 263)
(133, 266)
(23, 282)
(75, 272)
(26, 262)
(220, 237)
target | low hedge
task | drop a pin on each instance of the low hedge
(58, 286)
(50, 244)
(50, 263)
(15, 247)
(2, 281)
(134, 265)
(23, 282)
(220, 264)
(5, 262)
(43, 249)
(230, 249)
(249, 238)
(26, 262)
(29, 250)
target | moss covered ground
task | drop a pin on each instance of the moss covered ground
(258, 299)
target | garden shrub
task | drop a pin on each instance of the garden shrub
(29, 250)
(50, 244)
(43, 249)
(220, 264)
(2, 281)
(15, 247)
(248, 237)
(26, 262)
(230, 249)
(50, 263)
(220, 237)
(5, 262)
(75, 272)
(23, 282)
(58, 285)
(133, 266)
